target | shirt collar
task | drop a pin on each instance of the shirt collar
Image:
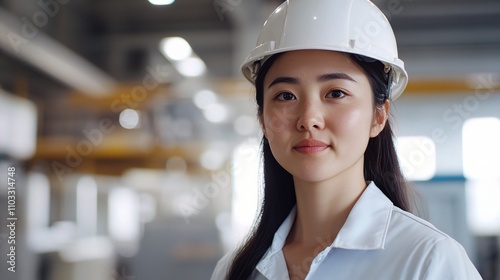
(273, 264)
(367, 224)
(365, 229)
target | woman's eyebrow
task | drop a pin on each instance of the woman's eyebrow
(322, 78)
(286, 80)
(335, 76)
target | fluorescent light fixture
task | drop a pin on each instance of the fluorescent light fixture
(175, 48)
(129, 119)
(178, 51)
(161, 2)
(191, 67)
(18, 121)
(481, 152)
(417, 156)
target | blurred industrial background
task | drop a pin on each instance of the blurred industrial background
(133, 142)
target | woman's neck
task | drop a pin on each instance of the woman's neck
(322, 209)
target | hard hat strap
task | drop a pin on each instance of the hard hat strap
(389, 84)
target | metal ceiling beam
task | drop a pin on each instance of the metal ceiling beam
(25, 41)
(456, 9)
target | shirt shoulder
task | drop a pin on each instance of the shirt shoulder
(413, 234)
(437, 254)
(448, 260)
(406, 221)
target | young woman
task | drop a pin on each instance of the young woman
(335, 204)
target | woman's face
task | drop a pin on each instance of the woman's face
(318, 115)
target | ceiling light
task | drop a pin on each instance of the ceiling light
(175, 48)
(161, 2)
(18, 117)
(129, 119)
(191, 67)
(181, 55)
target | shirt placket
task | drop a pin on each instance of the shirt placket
(317, 262)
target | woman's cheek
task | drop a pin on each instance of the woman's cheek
(354, 122)
(277, 120)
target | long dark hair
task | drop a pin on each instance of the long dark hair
(380, 165)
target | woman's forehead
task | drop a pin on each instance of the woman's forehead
(312, 63)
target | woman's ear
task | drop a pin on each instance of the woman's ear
(380, 118)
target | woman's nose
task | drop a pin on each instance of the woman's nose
(310, 118)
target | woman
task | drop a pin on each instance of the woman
(335, 205)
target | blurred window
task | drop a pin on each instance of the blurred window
(481, 148)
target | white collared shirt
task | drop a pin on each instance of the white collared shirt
(377, 241)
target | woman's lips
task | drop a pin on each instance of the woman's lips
(310, 146)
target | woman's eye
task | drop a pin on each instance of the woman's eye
(335, 93)
(285, 96)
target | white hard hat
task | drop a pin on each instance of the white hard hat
(351, 26)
